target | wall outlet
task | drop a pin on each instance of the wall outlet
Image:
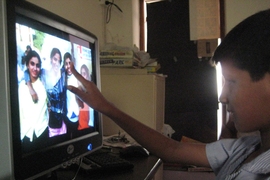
(101, 2)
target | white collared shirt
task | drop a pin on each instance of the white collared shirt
(226, 158)
(34, 117)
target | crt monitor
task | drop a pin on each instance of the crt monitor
(51, 127)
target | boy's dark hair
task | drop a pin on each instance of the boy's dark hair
(30, 55)
(247, 45)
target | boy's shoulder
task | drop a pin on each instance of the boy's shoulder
(239, 143)
(226, 155)
(223, 149)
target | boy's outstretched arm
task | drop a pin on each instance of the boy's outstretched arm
(167, 149)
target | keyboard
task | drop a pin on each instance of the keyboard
(105, 162)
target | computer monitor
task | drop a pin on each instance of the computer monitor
(50, 126)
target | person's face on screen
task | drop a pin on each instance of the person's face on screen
(84, 73)
(56, 62)
(34, 68)
(67, 66)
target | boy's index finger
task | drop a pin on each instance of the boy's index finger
(77, 75)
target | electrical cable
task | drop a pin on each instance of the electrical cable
(112, 3)
(108, 15)
(77, 169)
(109, 9)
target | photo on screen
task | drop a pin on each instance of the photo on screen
(49, 113)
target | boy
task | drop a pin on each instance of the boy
(244, 55)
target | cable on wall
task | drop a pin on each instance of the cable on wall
(109, 9)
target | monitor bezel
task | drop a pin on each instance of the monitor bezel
(28, 166)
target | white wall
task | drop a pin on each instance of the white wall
(238, 10)
(123, 28)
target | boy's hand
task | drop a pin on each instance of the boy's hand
(90, 94)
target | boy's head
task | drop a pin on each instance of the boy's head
(248, 45)
(244, 55)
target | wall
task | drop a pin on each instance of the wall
(237, 10)
(123, 28)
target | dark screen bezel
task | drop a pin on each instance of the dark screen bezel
(44, 161)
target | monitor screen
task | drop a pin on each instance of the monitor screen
(51, 127)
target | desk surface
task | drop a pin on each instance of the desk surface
(144, 168)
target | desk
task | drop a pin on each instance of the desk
(144, 168)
